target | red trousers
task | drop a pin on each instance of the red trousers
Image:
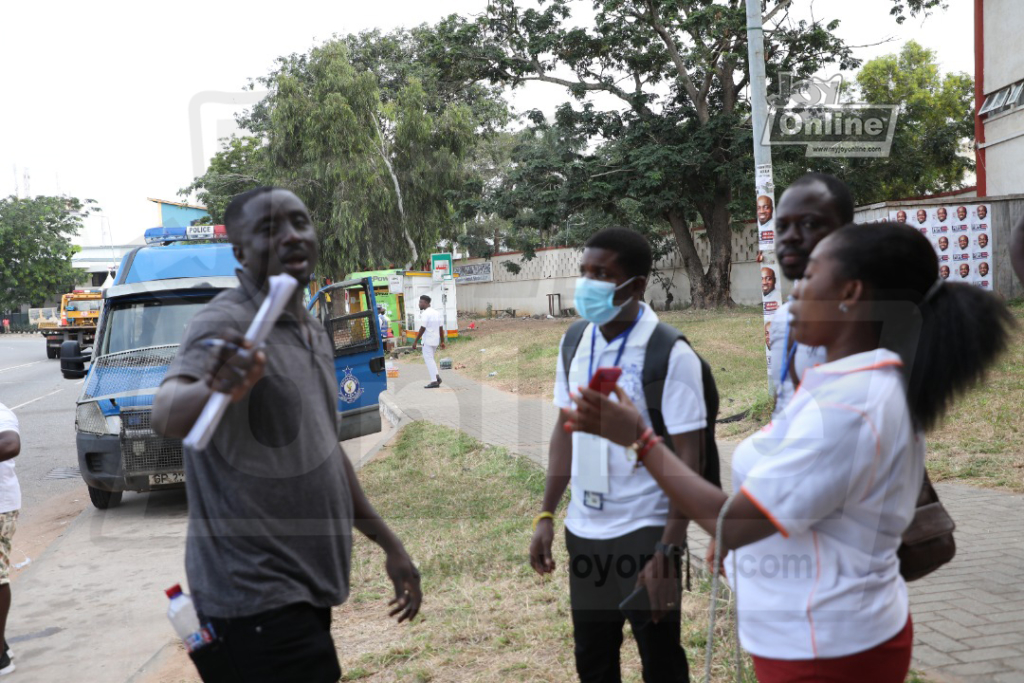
(888, 662)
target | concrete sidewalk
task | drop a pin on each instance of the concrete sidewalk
(968, 616)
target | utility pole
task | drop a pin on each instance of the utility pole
(765, 190)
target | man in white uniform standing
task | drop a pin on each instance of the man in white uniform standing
(431, 333)
(10, 504)
(814, 206)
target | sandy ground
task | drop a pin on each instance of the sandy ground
(41, 526)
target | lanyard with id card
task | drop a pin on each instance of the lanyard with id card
(592, 451)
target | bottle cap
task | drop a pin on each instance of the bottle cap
(173, 591)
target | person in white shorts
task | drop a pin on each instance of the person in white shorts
(431, 334)
(10, 504)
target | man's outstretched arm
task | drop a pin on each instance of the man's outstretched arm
(401, 570)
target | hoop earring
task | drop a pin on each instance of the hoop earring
(843, 308)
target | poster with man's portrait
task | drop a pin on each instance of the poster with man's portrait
(765, 208)
(980, 216)
(983, 275)
(961, 236)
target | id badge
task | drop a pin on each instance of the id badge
(591, 456)
(594, 501)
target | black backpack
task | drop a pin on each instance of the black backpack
(659, 349)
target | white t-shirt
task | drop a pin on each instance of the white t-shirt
(838, 473)
(431, 320)
(634, 499)
(10, 490)
(804, 358)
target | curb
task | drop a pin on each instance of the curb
(394, 416)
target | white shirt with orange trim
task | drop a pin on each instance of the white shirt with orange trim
(838, 473)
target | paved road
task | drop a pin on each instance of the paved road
(44, 402)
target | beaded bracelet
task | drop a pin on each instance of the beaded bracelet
(648, 447)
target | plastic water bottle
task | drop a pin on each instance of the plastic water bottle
(184, 619)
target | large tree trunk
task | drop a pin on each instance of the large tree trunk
(710, 287)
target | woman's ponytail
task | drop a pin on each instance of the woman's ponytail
(948, 333)
(964, 329)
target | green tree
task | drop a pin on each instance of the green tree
(901, 8)
(932, 129)
(668, 126)
(373, 132)
(240, 165)
(35, 240)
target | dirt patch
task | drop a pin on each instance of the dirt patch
(41, 525)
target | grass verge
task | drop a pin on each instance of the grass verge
(464, 512)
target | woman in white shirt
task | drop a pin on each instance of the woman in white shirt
(826, 490)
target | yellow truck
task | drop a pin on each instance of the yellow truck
(79, 312)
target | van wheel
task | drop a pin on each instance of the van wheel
(104, 499)
(52, 352)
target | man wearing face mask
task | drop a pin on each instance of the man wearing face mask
(621, 531)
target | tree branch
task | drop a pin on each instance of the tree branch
(778, 8)
(677, 59)
(398, 193)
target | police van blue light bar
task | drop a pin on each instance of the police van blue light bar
(191, 233)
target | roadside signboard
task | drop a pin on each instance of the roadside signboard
(441, 266)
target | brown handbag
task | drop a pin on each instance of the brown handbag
(928, 541)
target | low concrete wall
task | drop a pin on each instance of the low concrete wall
(530, 297)
(554, 271)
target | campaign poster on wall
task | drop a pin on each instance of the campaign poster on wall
(961, 236)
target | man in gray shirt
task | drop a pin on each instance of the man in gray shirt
(272, 498)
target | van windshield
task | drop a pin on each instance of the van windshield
(84, 305)
(155, 322)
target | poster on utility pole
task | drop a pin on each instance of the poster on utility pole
(771, 294)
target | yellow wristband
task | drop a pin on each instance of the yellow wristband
(543, 515)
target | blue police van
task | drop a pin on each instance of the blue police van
(157, 291)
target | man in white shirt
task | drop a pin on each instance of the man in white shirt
(813, 207)
(621, 531)
(432, 334)
(384, 323)
(10, 504)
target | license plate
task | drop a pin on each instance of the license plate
(167, 478)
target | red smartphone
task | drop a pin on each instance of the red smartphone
(604, 379)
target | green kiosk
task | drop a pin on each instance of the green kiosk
(387, 288)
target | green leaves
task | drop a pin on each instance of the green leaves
(35, 240)
(373, 131)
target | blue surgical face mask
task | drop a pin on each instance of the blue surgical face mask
(595, 299)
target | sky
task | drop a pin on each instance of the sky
(121, 102)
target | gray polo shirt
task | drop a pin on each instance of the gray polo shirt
(270, 512)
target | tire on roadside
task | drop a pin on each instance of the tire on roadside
(104, 500)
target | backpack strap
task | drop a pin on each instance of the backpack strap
(655, 373)
(570, 344)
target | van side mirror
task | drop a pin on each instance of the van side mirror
(73, 360)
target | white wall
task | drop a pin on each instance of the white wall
(1004, 149)
(555, 271)
(1004, 61)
